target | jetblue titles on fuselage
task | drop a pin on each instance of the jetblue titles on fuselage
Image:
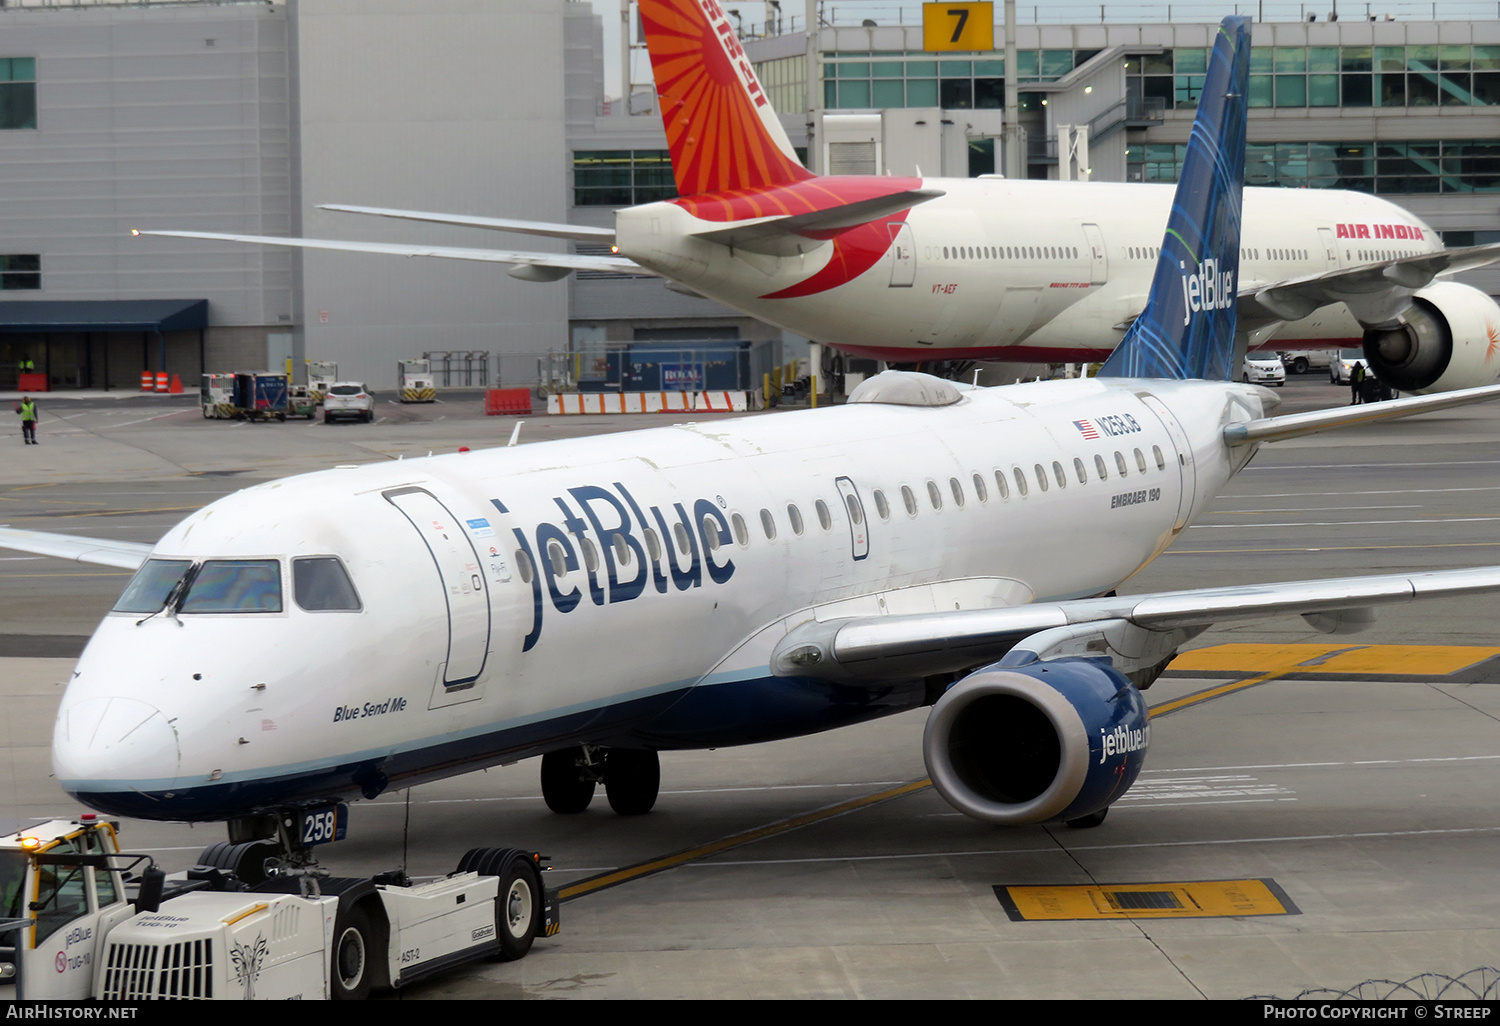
(625, 563)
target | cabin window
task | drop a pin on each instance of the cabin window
(235, 586)
(855, 516)
(910, 500)
(1058, 475)
(881, 506)
(591, 555)
(320, 583)
(710, 533)
(957, 490)
(653, 545)
(1161, 461)
(1099, 466)
(1120, 463)
(979, 489)
(622, 551)
(824, 517)
(768, 524)
(1140, 461)
(934, 496)
(152, 585)
(556, 557)
(1020, 477)
(795, 516)
(684, 543)
(1078, 468)
(524, 567)
(741, 532)
(1041, 477)
(1000, 484)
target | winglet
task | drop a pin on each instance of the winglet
(1187, 328)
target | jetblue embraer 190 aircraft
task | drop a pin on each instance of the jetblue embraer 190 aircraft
(596, 601)
(911, 269)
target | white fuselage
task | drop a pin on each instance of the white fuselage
(999, 269)
(628, 586)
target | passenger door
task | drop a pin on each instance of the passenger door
(465, 590)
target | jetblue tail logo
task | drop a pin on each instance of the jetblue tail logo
(1208, 289)
(1187, 329)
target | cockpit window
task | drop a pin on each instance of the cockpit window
(320, 583)
(153, 582)
(235, 586)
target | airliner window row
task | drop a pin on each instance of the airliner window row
(1010, 252)
(1046, 477)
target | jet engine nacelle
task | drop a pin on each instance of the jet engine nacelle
(1448, 338)
(1061, 739)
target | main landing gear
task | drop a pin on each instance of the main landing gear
(631, 778)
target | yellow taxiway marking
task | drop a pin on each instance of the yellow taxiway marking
(1196, 899)
(1271, 662)
(640, 869)
(1416, 660)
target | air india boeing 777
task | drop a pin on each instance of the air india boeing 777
(910, 269)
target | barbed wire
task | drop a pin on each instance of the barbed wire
(1482, 984)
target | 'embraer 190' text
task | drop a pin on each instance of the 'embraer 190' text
(1209, 289)
(607, 526)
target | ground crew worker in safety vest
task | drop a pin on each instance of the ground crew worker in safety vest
(27, 409)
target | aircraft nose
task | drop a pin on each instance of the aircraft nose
(114, 739)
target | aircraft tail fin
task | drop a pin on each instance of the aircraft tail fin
(1187, 329)
(721, 129)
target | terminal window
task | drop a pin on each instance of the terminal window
(1458, 75)
(20, 271)
(622, 178)
(1386, 168)
(17, 92)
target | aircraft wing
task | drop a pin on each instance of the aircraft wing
(877, 649)
(127, 555)
(1375, 293)
(1274, 429)
(576, 232)
(530, 266)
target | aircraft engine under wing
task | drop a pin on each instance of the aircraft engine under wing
(1421, 334)
(526, 266)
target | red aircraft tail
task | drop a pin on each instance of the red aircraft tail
(721, 129)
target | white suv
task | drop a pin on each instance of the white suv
(349, 399)
(1263, 369)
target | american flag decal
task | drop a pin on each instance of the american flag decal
(1086, 428)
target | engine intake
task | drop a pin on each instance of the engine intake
(1051, 740)
(1444, 340)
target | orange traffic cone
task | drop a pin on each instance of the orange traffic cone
(176, 387)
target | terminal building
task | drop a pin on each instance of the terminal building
(244, 116)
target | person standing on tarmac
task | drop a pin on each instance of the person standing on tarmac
(1356, 383)
(27, 409)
